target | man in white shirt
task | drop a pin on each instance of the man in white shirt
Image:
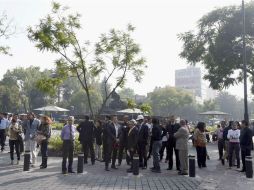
(116, 144)
(4, 123)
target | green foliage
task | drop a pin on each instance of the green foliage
(56, 144)
(208, 105)
(131, 104)
(6, 30)
(146, 108)
(165, 101)
(57, 126)
(57, 33)
(126, 93)
(218, 45)
(19, 92)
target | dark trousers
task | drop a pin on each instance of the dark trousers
(123, 149)
(21, 145)
(44, 149)
(115, 151)
(201, 156)
(245, 152)
(68, 150)
(108, 148)
(234, 147)
(172, 149)
(88, 147)
(14, 144)
(131, 158)
(2, 138)
(220, 147)
(142, 153)
(164, 146)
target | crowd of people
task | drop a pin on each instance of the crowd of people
(110, 141)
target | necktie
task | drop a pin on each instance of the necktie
(71, 137)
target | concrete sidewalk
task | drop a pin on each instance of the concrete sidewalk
(215, 176)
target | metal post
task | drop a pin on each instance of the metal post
(80, 163)
(192, 167)
(246, 115)
(135, 165)
(248, 167)
(26, 161)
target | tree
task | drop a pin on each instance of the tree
(218, 45)
(166, 101)
(116, 54)
(126, 93)
(6, 30)
(22, 83)
(208, 105)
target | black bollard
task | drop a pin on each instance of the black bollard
(248, 167)
(26, 160)
(80, 163)
(135, 165)
(192, 167)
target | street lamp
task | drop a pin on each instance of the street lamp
(246, 115)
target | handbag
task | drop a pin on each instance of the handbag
(39, 138)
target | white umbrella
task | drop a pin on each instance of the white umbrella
(52, 108)
(131, 111)
(213, 113)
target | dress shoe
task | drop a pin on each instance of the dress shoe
(156, 170)
(169, 168)
(106, 169)
(243, 170)
(182, 173)
(64, 172)
(144, 168)
(71, 172)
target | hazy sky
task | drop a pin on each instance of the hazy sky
(157, 24)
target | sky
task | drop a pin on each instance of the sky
(157, 24)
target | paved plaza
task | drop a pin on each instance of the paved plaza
(214, 176)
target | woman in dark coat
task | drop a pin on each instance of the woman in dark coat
(98, 138)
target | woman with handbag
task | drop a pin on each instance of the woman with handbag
(14, 130)
(200, 143)
(43, 135)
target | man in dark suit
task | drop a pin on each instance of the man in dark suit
(117, 132)
(143, 134)
(132, 141)
(172, 128)
(109, 138)
(245, 142)
(86, 131)
(123, 135)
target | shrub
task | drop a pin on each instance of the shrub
(57, 126)
(56, 144)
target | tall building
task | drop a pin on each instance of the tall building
(190, 79)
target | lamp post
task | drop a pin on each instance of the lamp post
(246, 115)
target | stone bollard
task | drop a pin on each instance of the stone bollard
(26, 161)
(135, 164)
(80, 163)
(192, 167)
(248, 167)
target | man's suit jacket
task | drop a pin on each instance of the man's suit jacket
(132, 139)
(30, 129)
(109, 133)
(182, 136)
(86, 131)
(143, 134)
(171, 130)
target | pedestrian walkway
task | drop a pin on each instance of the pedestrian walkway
(94, 177)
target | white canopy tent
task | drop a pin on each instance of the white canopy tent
(52, 109)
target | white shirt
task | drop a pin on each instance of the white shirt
(234, 135)
(116, 128)
(4, 123)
